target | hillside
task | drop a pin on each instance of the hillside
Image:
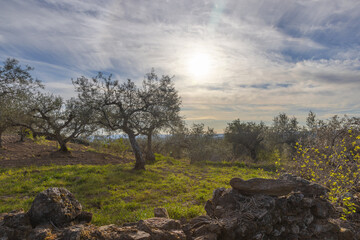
(43, 152)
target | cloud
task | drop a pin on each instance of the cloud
(268, 56)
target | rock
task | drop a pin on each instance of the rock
(322, 208)
(55, 205)
(79, 231)
(16, 225)
(309, 189)
(159, 223)
(161, 212)
(278, 187)
(41, 233)
(140, 235)
(345, 234)
(16, 220)
(209, 236)
(84, 217)
(7, 233)
(244, 212)
(162, 228)
(323, 226)
(271, 187)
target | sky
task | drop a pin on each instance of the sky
(230, 58)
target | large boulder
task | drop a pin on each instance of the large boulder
(309, 189)
(57, 206)
(278, 187)
(271, 187)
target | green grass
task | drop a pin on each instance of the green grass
(117, 194)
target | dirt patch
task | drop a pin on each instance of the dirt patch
(21, 154)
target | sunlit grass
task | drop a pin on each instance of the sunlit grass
(117, 194)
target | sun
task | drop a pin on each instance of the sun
(199, 64)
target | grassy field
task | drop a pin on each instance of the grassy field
(117, 194)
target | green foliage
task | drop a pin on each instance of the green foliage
(41, 140)
(17, 88)
(130, 108)
(337, 167)
(248, 135)
(106, 144)
(285, 131)
(203, 145)
(117, 194)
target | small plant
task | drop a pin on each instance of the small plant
(41, 140)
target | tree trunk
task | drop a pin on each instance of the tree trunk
(139, 160)
(253, 154)
(1, 132)
(22, 134)
(63, 147)
(150, 157)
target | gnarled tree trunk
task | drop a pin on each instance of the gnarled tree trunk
(139, 160)
(63, 147)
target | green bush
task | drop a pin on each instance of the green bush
(337, 167)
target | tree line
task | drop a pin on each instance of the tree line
(148, 109)
(258, 141)
(102, 103)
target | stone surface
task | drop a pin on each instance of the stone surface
(322, 208)
(162, 228)
(271, 187)
(57, 206)
(84, 217)
(278, 187)
(15, 225)
(309, 189)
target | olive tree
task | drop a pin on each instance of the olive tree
(124, 106)
(160, 116)
(16, 88)
(245, 134)
(285, 130)
(16, 80)
(61, 120)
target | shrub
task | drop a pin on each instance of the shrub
(107, 144)
(336, 166)
(205, 145)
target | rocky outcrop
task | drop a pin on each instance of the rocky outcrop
(285, 208)
(265, 217)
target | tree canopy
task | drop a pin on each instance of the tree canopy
(17, 86)
(131, 109)
(61, 120)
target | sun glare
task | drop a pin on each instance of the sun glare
(199, 64)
